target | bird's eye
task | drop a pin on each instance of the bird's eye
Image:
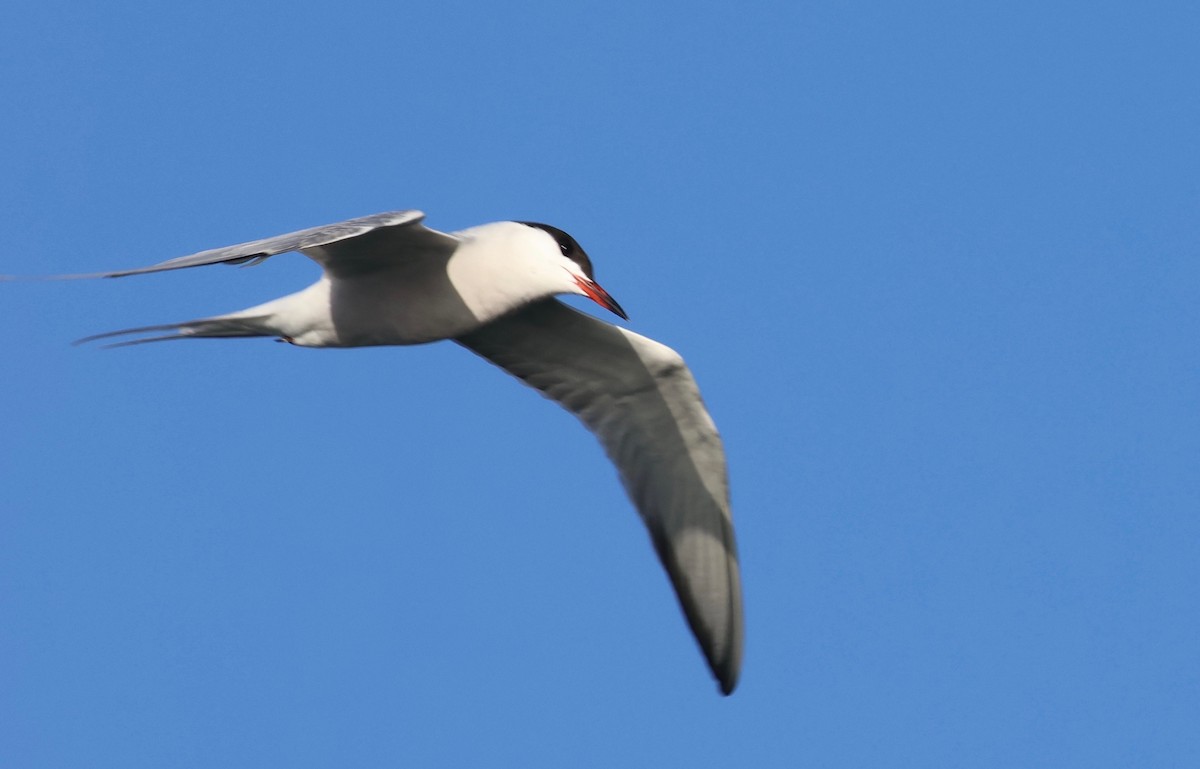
(565, 242)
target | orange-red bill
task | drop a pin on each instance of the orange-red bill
(601, 297)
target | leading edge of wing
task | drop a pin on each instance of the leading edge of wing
(256, 250)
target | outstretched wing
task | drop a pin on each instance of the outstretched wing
(641, 401)
(349, 245)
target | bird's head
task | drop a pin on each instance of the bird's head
(574, 261)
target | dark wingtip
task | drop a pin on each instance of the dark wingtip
(726, 670)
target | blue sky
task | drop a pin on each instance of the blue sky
(935, 267)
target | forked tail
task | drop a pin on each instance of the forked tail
(198, 329)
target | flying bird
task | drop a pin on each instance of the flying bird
(389, 280)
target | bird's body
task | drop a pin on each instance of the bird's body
(389, 280)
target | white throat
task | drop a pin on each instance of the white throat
(505, 265)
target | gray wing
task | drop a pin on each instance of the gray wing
(641, 401)
(354, 243)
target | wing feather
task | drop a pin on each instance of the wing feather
(642, 402)
(349, 245)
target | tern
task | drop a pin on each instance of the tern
(389, 280)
